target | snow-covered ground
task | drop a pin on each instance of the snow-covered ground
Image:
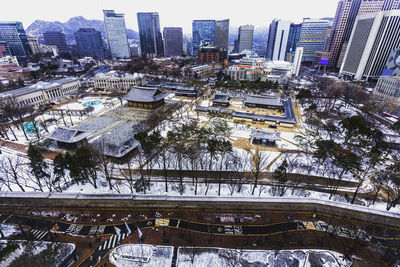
(199, 257)
(9, 230)
(19, 253)
(131, 255)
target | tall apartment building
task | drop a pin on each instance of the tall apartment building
(222, 33)
(34, 44)
(89, 43)
(298, 56)
(245, 37)
(277, 39)
(13, 33)
(151, 42)
(203, 34)
(293, 38)
(173, 41)
(346, 13)
(373, 38)
(57, 39)
(312, 37)
(117, 39)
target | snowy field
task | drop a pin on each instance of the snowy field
(144, 255)
(221, 257)
(31, 253)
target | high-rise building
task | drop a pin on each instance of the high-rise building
(13, 33)
(277, 39)
(57, 39)
(117, 39)
(373, 38)
(298, 56)
(222, 33)
(312, 37)
(151, 42)
(34, 44)
(293, 38)
(89, 43)
(245, 37)
(173, 41)
(346, 13)
(203, 33)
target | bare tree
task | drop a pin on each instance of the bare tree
(260, 161)
(11, 168)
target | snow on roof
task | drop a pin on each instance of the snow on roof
(270, 135)
(145, 95)
(263, 100)
(119, 141)
(69, 135)
(221, 98)
(95, 124)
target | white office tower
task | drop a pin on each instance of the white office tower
(278, 36)
(114, 24)
(245, 38)
(373, 37)
(297, 60)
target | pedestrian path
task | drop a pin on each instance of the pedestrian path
(113, 241)
(39, 234)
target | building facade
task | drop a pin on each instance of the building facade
(34, 44)
(13, 33)
(209, 54)
(117, 39)
(346, 13)
(113, 81)
(57, 39)
(388, 88)
(173, 41)
(277, 39)
(222, 33)
(298, 56)
(203, 34)
(151, 42)
(293, 38)
(373, 38)
(245, 37)
(312, 37)
(4, 50)
(41, 92)
(89, 43)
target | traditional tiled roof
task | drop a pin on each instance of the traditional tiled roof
(144, 95)
(221, 98)
(69, 135)
(270, 135)
(263, 100)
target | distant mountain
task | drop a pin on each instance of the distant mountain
(68, 28)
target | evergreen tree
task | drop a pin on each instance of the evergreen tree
(37, 164)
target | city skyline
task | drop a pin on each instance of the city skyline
(92, 9)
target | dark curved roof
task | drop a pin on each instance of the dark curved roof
(145, 95)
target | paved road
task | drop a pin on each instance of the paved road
(42, 229)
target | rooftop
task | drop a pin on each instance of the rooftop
(69, 135)
(271, 100)
(38, 86)
(145, 95)
(270, 135)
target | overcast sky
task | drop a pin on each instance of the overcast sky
(172, 12)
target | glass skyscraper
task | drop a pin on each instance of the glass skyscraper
(13, 33)
(203, 32)
(294, 37)
(114, 24)
(277, 39)
(151, 42)
(57, 39)
(312, 37)
(222, 33)
(89, 43)
(173, 43)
